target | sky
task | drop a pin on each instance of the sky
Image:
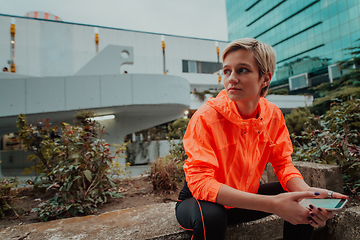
(191, 18)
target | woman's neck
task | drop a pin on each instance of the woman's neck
(248, 110)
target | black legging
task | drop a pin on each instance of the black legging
(211, 219)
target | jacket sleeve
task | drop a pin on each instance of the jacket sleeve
(281, 155)
(202, 164)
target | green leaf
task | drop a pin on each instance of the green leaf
(76, 178)
(87, 174)
(117, 195)
(69, 186)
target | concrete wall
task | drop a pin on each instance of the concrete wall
(44, 48)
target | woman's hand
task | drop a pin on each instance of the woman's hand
(324, 193)
(286, 206)
(319, 216)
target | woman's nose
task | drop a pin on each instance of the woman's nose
(233, 78)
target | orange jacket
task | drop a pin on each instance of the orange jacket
(223, 148)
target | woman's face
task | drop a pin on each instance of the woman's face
(241, 76)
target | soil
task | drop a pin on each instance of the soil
(136, 191)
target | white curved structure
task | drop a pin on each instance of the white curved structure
(139, 101)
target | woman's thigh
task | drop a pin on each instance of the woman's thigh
(203, 218)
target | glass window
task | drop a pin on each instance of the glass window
(303, 36)
(345, 41)
(316, 8)
(305, 46)
(319, 51)
(327, 48)
(327, 36)
(324, 14)
(311, 33)
(208, 67)
(308, 21)
(354, 37)
(333, 10)
(334, 21)
(185, 66)
(344, 29)
(337, 56)
(341, 6)
(325, 25)
(316, 18)
(351, 3)
(354, 25)
(192, 67)
(353, 13)
(311, 42)
(296, 29)
(336, 45)
(335, 33)
(319, 39)
(343, 17)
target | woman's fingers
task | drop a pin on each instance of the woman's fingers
(319, 216)
(339, 195)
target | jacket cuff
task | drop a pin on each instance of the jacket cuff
(214, 191)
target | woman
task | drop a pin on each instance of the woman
(229, 141)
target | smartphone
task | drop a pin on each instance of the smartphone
(328, 204)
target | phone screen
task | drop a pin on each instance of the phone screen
(332, 204)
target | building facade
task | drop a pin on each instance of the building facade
(308, 35)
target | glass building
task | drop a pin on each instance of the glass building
(308, 35)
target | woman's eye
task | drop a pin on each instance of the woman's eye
(226, 72)
(243, 70)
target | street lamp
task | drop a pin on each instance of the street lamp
(217, 50)
(12, 42)
(163, 49)
(96, 31)
(218, 59)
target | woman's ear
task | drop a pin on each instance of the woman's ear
(267, 78)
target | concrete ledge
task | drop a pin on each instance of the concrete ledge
(345, 225)
(270, 227)
(158, 221)
(149, 222)
(316, 175)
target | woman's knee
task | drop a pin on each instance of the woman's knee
(214, 215)
(196, 214)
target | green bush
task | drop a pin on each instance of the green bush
(7, 195)
(335, 141)
(281, 91)
(73, 161)
(298, 119)
(167, 172)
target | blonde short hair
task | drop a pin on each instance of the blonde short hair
(264, 54)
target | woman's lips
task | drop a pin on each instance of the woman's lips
(233, 89)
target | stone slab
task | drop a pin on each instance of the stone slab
(316, 175)
(147, 222)
(155, 221)
(345, 225)
(158, 222)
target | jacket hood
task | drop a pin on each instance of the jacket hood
(228, 109)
